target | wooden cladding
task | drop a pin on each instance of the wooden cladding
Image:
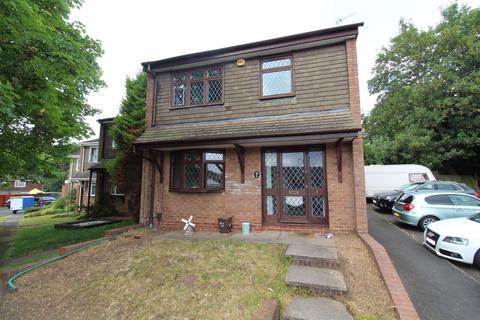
(320, 82)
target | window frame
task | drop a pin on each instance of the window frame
(90, 154)
(22, 185)
(271, 70)
(204, 188)
(77, 164)
(114, 190)
(92, 184)
(205, 87)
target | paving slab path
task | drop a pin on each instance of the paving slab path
(316, 308)
(8, 229)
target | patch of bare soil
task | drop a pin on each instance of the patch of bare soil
(368, 297)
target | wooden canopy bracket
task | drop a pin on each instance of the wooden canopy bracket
(338, 145)
(241, 160)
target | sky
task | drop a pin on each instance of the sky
(132, 32)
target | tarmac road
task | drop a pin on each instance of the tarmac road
(439, 289)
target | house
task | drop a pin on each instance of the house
(266, 132)
(105, 189)
(88, 171)
(78, 175)
(17, 187)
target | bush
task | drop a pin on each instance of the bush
(43, 212)
(102, 208)
(33, 209)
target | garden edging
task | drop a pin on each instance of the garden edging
(401, 299)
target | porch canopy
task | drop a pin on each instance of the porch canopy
(306, 128)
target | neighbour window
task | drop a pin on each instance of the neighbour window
(197, 88)
(77, 165)
(114, 190)
(93, 189)
(20, 183)
(277, 77)
(199, 171)
(93, 155)
(114, 144)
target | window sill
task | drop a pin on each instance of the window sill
(196, 191)
(220, 104)
(278, 96)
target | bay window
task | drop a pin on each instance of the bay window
(197, 171)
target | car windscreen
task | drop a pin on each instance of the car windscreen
(475, 217)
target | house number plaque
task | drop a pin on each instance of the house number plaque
(256, 174)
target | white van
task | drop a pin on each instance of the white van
(383, 178)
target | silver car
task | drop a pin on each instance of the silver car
(421, 209)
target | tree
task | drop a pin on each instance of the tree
(48, 67)
(428, 86)
(126, 168)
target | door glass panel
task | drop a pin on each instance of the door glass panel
(293, 170)
(317, 175)
(318, 206)
(270, 169)
(271, 204)
(294, 206)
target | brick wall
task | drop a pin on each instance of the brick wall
(243, 201)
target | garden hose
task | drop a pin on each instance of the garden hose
(19, 274)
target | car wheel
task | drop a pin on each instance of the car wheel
(476, 259)
(423, 224)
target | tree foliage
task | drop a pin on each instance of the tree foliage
(428, 86)
(126, 167)
(48, 67)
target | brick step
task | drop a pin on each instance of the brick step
(321, 280)
(313, 256)
(316, 309)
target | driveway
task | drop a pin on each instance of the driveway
(8, 228)
(439, 289)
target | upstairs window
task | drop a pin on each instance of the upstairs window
(197, 88)
(277, 77)
(20, 183)
(197, 171)
(93, 155)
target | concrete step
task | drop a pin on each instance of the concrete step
(316, 279)
(313, 256)
(316, 309)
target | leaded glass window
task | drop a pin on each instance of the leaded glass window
(197, 170)
(197, 87)
(277, 77)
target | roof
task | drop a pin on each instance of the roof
(89, 142)
(104, 120)
(252, 127)
(296, 39)
(83, 175)
(100, 165)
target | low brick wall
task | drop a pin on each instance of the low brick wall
(401, 299)
(269, 310)
(73, 247)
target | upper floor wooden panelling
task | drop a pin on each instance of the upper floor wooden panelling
(320, 83)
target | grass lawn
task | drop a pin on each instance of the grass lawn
(154, 278)
(38, 233)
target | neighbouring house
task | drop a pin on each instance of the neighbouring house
(88, 174)
(105, 188)
(79, 175)
(17, 187)
(266, 132)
